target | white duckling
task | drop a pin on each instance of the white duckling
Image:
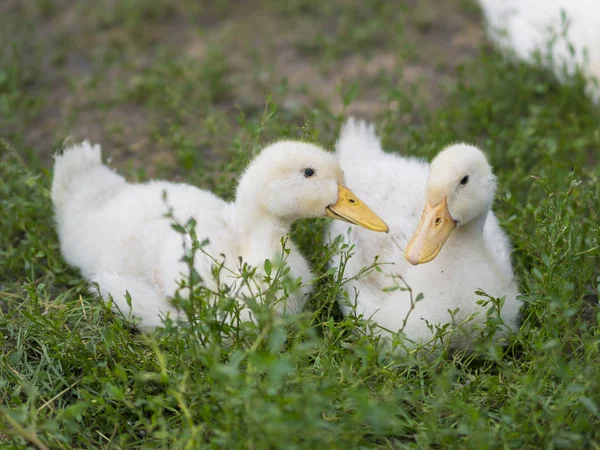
(527, 26)
(455, 249)
(117, 234)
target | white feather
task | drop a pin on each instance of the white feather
(527, 26)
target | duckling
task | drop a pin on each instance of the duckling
(526, 26)
(118, 234)
(445, 242)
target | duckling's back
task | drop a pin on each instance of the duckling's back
(105, 222)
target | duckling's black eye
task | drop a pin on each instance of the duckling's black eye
(309, 172)
(465, 180)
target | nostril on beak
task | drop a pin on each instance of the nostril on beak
(351, 200)
(438, 220)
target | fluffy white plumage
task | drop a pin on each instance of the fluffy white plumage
(117, 234)
(475, 256)
(525, 26)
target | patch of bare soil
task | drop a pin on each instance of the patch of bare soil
(439, 34)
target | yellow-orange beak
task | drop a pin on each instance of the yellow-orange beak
(350, 208)
(434, 228)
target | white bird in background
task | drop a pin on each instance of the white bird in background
(117, 234)
(527, 26)
(455, 249)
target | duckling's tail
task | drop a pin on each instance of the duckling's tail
(357, 140)
(80, 177)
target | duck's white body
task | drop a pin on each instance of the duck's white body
(118, 234)
(525, 26)
(468, 261)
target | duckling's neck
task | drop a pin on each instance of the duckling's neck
(470, 235)
(472, 230)
(261, 235)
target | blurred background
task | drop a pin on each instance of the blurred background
(161, 83)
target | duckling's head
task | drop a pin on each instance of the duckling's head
(289, 180)
(460, 189)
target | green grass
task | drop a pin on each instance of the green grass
(74, 374)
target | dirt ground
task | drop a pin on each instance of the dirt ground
(80, 58)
